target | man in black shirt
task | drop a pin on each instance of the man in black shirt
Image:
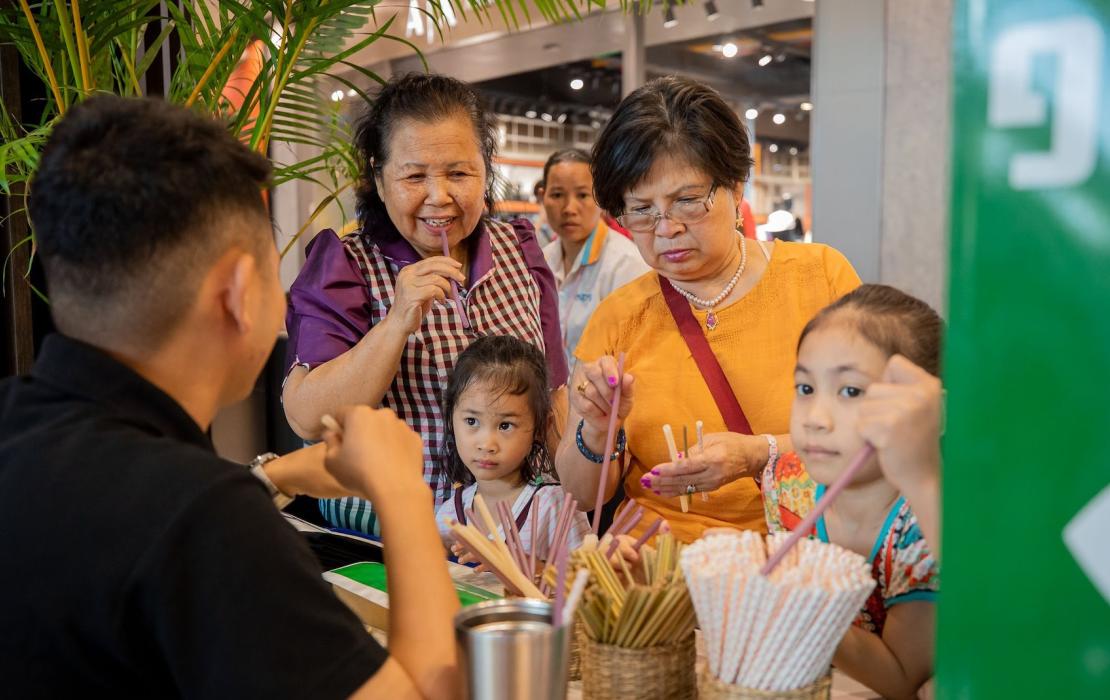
(137, 563)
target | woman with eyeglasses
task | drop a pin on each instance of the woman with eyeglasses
(707, 336)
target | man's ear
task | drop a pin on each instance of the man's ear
(238, 293)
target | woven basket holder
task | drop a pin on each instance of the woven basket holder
(577, 639)
(714, 689)
(615, 673)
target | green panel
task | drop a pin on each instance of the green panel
(372, 574)
(1028, 353)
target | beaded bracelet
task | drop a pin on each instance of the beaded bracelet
(593, 456)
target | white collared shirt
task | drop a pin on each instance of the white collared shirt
(607, 262)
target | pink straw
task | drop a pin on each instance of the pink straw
(454, 284)
(476, 522)
(819, 508)
(532, 545)
(560, 587)
(559, 540)
(609, 437)
(632, 522)
(648, 534)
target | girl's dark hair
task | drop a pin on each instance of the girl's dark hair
(567, 155)
(670, 115)
(507, 365)
(891, 320)
(425, 98)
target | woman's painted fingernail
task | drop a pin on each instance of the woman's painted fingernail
(645, 482)
(655, 471)
(612, 381)
(657, 493)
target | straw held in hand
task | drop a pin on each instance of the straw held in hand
(454, 284)
(610, 436)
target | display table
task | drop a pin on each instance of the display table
(843, 688)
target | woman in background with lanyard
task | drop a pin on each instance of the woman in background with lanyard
(588, 262)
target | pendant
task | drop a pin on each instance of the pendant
(711, 320)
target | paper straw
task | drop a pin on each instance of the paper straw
(804, 528)
(576, 590)
(611, 435)
(454, 284)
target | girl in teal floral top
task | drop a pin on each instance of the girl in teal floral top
(843, 354)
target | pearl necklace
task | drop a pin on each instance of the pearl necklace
(711, 317)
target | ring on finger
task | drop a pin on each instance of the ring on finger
(691, 489)
(581, 388)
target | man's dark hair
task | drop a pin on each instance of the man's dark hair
(132, 202)
(668, 116)
(423, 98)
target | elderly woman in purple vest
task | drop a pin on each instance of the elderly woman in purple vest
(378, 317)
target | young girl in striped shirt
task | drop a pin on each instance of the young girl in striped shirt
(498, 410)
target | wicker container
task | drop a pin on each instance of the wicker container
(714, 689)
(615, 673)
(577, 639)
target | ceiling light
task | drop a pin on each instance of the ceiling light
(773, 148)
(766, 59)
(668, 17)
(793, 150)
(779, 118)
(351, 93)
(752, 113)
(337, 96)
(531, 114)
(577, 84)
(730, 50)
(546, 117)
(562, 118)
(806, 106)
(595, 124)
(711, 12)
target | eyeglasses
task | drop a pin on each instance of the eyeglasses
(685, 211)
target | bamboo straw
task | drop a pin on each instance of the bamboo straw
(700, 428)
(806, 526)
(454, 284)
(672, 449)
(610, 435)
(331, 424)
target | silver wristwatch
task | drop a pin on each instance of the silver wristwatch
(256, 468)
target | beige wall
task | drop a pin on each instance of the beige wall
(917, 148)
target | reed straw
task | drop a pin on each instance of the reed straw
(806, 526)
(609, 437)
(454, 284)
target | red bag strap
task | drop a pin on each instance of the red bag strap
(706, 361)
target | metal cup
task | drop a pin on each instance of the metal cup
(508, 650)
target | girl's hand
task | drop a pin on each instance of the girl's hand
(591, 395)
(463, 556)
(724, 458)
(900, 416)
(418, 286)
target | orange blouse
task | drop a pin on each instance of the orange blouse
(755, 341)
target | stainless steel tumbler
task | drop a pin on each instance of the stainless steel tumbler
(508, 650)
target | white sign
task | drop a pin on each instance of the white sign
(1077, 44)
(1088, 539)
